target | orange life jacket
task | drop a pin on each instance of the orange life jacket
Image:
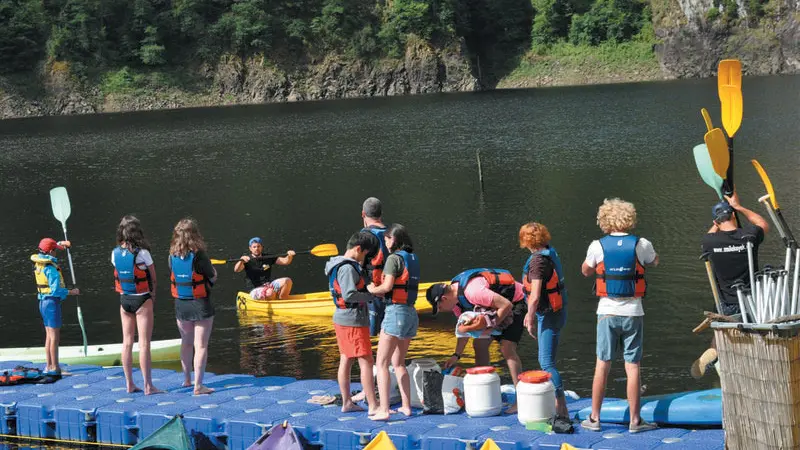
(128, 277)
(551, 296)
(336, 290)
(620, 274)
(404, 291)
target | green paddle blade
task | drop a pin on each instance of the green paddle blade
(706, 168)
(718, 151)
(59, 200)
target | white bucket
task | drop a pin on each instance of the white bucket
(415, 370)
(482, 396)
(394, 391)
(536, 401)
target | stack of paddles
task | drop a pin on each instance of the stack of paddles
(772, 294)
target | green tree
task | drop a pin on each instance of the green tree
(151, 52)
(609, 20)
(246, 28)
(22, 25)
(551, 20)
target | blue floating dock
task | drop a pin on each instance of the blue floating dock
(92, 405)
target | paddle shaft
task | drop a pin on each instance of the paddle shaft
(712, 280)
(280, 255)
(780, 224)
(69, 258)
(77, 297)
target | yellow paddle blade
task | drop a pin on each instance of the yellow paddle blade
(219, 261)
(767, 184)
(729, 86)
(490, 445)
(325, 250)
(381, 442)
(718, 150)
(707, 119)
(566, 446)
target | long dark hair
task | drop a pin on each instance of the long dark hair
(186, 238)
(130, 233)
(402, 241)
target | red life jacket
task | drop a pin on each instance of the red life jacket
(551, 295)
(375, 265)
(405, 288)
(500, 281)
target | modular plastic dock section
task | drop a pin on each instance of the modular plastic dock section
(92, 405)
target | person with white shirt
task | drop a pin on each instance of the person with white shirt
(135, 281)
(618, 262)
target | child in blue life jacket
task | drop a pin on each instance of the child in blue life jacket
(51, 293)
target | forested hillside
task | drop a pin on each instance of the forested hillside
(263, 50)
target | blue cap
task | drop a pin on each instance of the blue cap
(722, 212)
(254, 240)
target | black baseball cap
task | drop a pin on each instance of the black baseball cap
(434, 295)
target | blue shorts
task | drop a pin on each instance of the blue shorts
(615, 333)
(50, 309)
(400, 321)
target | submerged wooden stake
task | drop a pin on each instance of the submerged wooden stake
(480, 171)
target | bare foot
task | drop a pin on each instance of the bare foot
(380, 416)
(360, 396)
(152, 390)
(202, 390)
(351, 407)
(404, 411)
(512, 409)
(133, 388)
(187, 384)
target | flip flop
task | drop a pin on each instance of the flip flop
(321, 399)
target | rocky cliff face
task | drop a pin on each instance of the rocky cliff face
(692, 43)
(423, 69)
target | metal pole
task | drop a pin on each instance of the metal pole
(741, 303)
(751, 303)
(480, 170)
(750, 263)
(794, 284)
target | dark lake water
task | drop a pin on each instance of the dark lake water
(296, 175)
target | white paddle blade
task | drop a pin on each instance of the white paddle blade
(59, 200)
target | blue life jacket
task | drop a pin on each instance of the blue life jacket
(406, 285)
(553, 294)
(500, 282)
(620, 274)
(128, 277)
(336, 290)
(186, 283)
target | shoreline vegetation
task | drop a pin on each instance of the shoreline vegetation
(87, 56)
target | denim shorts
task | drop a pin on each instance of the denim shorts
(615, 333)
(400, 321)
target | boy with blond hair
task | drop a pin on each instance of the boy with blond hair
(618, 262)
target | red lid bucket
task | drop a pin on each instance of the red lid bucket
(480, 370)
(534, 376)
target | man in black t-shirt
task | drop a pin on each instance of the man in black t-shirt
(727, 247)
(258, 270)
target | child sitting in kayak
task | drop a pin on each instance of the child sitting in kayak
(480, 323)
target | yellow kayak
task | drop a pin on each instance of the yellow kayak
(312, 304)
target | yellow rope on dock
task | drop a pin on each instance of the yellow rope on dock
(62, 441)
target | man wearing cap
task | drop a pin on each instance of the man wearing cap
(51, 292)
(371, 215)
(472, 288)
(258, 270)
(726, 245)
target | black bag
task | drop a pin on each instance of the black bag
(432, 400)
(561, 425)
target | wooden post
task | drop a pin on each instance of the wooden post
(480, 171)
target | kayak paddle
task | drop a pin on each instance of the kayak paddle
(718, 151)
(706, 119)
(706, 168)
(59, 201)
(320, 250)
(729, 87)
(783, 227)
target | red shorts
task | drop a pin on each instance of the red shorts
(353, 342)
